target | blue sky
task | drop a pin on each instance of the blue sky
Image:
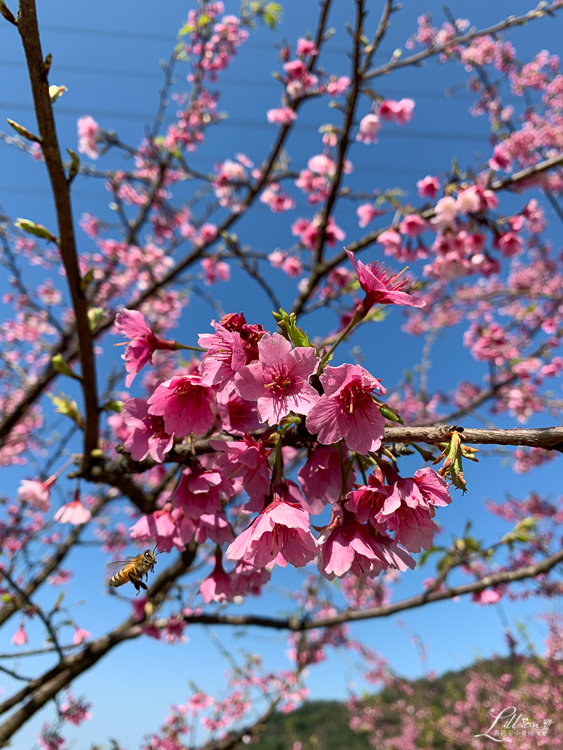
(108, 55)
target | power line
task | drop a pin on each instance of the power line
(150, 37)
(246, 82)
(235, 122)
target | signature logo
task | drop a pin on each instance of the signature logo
(515, 725)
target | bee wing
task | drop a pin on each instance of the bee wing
(116, 564)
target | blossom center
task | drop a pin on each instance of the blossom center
(280, 381)
(355, 398)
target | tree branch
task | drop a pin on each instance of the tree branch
(550, 438)
(296, 625)
(29, 32)
(437, 49)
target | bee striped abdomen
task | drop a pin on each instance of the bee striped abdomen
(134, 570)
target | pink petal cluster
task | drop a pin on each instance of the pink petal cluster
(370, 126)
(142, 342)
(36, 493)
(401, 111)
(185, 404)
(148, 436)
(320, 478)
(347, 411)
(248, 459)
(89, 134)
(278, 382)
(280, 534)
(281, 116)
(346, 546)
(217, 587)
(74, 512)
(380, 288)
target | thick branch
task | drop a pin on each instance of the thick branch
(296, 625)
(29, 32)
(550, 438)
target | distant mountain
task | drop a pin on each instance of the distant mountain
(323, 725)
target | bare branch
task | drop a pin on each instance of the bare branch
(413, 602)
(29, 32)
(436, 49)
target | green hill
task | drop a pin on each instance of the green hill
(319, 725)
(323, 725)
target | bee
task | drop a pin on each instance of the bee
(133, 569)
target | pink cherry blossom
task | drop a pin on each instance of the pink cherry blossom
(143, 342)
(159, 526)
(246, 579)
(217, 587)
(347, 411)
(428, 187)
(225, 356)
(320, 478)
(370, 126)
(337, 86)
(380, 288)
(185, 405)
(346, 546)
(36, 493)
(80, 635)
(20, 636)
(446, 211)
(148, 435)
(306, 47)
(238, 415)
(279, 534)
(75, 711)
(89, 133)
(366, 502)
(401, 111)
(247, 458)
(281, 116)
(487, 596)
(74, 512)
(199, 702)
(278, 382)
(366, 213)
(213, 526)
(412, 225)
(199, 491)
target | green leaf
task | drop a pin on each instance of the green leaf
(74, 164)
(95, 317)
(24, 132)
(67, 407)
(288, 324)
(272, 15)
(62, 366)
(87, 279)
(390, 414)
(113, 405)
(37, 230)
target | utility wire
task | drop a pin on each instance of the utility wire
(235, 122)
(143, 36)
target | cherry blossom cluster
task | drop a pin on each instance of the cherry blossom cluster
(258, 390)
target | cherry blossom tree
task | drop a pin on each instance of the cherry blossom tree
(240, 433)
